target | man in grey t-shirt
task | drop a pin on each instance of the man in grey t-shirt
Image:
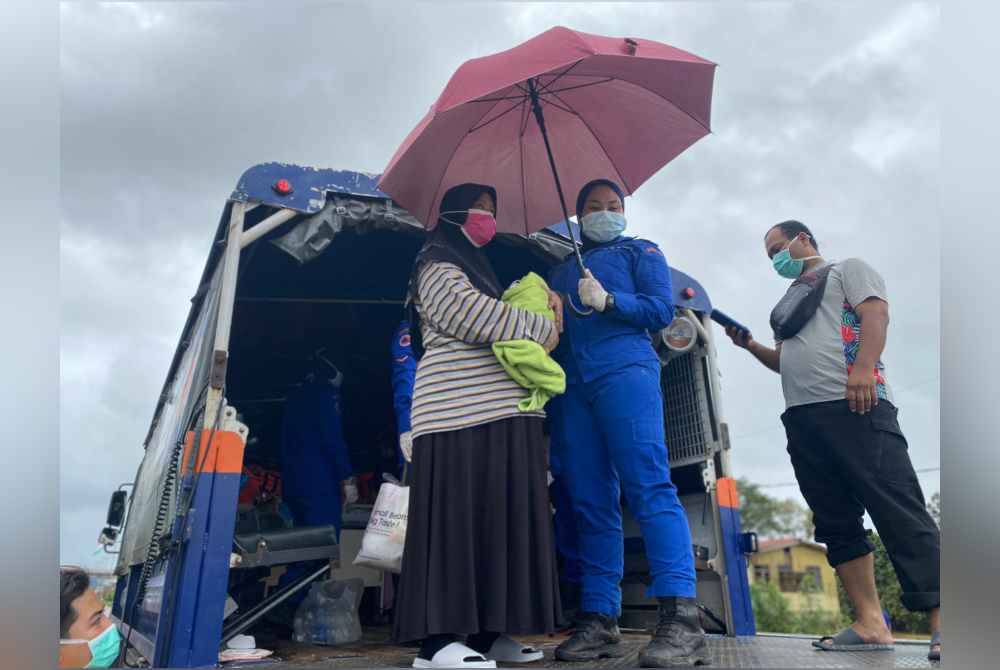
(816, 363)
(846, 447)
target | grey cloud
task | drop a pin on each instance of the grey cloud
(823, 112)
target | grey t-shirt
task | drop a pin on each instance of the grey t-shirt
(815, 363)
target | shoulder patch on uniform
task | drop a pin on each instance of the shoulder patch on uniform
(653, 250)
(404, 340)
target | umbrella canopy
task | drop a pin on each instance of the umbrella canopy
(616, 108)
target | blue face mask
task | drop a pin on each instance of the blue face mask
(603, 226)
(788, 267)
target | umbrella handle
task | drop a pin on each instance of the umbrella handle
(567, 299)
(576, 310)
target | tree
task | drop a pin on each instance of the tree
(812, 619)
(768, 516)
(934, 507)
(771, 612)
(808, 524)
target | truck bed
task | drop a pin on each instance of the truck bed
(761, 651)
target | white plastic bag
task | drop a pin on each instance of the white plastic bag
(382, 545)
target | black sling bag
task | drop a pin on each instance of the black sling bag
(799, 304)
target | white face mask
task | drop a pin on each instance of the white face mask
(603, 225)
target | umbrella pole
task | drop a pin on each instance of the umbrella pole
(536, 108)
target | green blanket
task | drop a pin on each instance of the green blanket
(526, 361)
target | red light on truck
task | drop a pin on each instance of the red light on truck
(282, 187)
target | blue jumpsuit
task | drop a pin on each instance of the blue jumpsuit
(404, 373)
(314, 460)
(608, 428)
(314, 456)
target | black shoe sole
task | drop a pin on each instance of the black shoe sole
(613, 650)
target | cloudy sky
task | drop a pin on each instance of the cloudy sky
(822, 112)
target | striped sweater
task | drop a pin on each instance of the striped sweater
(460, 383)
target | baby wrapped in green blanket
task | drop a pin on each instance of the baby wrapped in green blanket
(526, 361)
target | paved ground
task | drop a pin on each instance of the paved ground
(757, 652)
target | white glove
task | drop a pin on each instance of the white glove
(350, 491)
(591, 292)
(406, 445)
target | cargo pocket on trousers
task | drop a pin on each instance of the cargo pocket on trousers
(893, 458)
(648, 452)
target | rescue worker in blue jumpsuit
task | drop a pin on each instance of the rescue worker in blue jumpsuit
(404, 374)
(316, 473)
(314, 456)
(608, 436)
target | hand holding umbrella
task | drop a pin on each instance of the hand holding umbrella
(592, 294)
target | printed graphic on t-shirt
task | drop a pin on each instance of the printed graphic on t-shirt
(850, 333)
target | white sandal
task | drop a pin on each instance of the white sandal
(507, 650)
(454, 655)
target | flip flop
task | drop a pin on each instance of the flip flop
(849, 640)
(507, 650)
(454, 655)
(935, 654)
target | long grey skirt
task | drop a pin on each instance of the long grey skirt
(479, 553)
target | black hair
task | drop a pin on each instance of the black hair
(73, 583)
(581, 198)
(462, 197)
(791, 228)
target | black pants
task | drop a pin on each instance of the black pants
(847, 463)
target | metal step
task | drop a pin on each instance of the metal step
(762, 651)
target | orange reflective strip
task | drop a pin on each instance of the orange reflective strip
(727, 494)
(225, 453)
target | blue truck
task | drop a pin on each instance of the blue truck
(309, 260)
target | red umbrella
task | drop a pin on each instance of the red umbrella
(610, 107)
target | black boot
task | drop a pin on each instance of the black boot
(596, 636)
(679, 639)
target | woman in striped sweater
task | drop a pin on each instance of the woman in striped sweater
(479, 559)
